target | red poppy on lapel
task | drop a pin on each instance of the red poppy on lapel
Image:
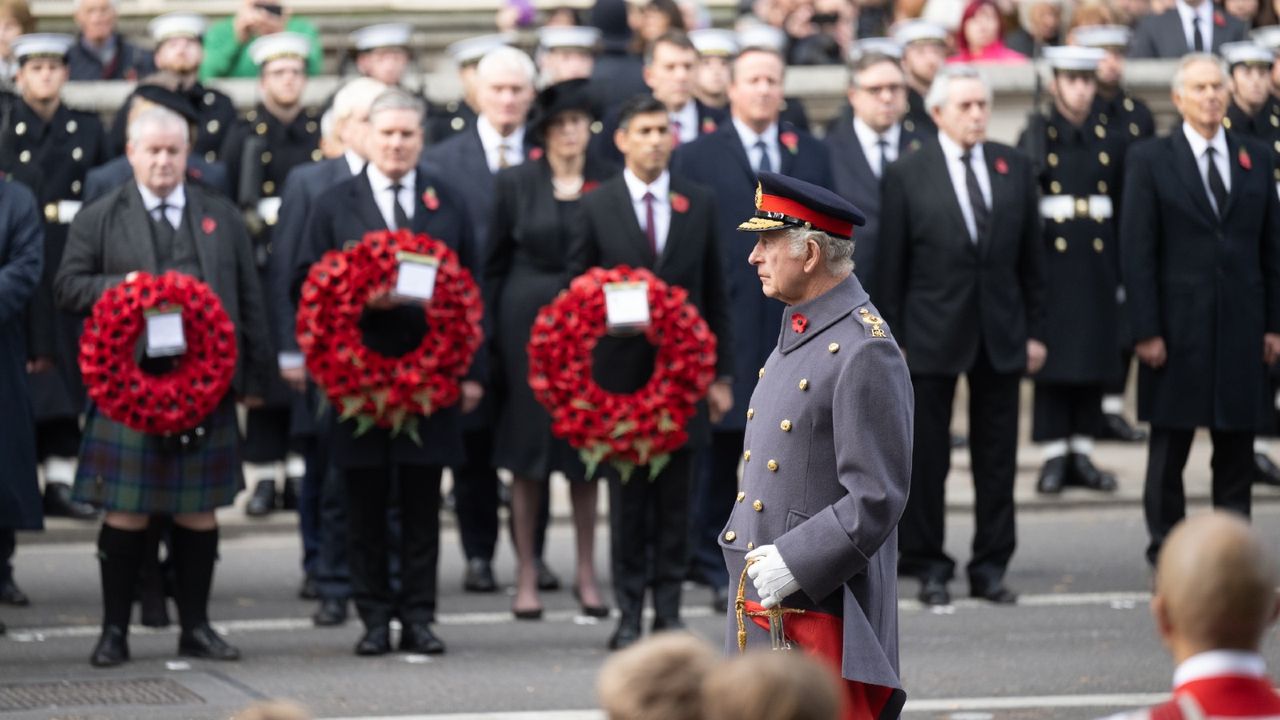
(535, 153)
(799, 323)
(430, 199)
(791, 141)
(1002, 167)
(208, 224)
(1219, 19)
(708, 126)
(589, 185)
(1246, 162)
(679, 203)
(194, 173)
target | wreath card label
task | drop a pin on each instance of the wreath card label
(164, 332)
(626, 305)
(416, 276)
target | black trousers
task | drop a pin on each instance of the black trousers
(993, 444)
(266, 435)
(649, 537)
(1164, 501)
(57, 437)
(369, 492)
(1061, 411)
(8, 544)
(475, 497)
(714, 487)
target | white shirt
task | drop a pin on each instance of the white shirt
(1220, 158)
(495, 146)
(354, 162)
(176, 202)
(749, 140)
(1203, 11)
(381, 186)
(688, 119)
(869, 139)
(955, 166)
(1216, 663)
(661, 189)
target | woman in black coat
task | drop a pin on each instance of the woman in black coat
(535, 205)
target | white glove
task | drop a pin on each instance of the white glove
(772, 578)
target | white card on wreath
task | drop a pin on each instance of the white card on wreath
(626, 305)
(164, 333)
(416, 276)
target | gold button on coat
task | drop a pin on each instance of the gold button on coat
(804, 383)
(730, 536)
(833, 347)
(786, 426)
(746, 456)
(772, 465)
(741, 496)
(1060, 244)
(1098, 244)
(751, 546)
(751, 412)
(761, 373)
(759, 506)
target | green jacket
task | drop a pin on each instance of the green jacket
(224, 57)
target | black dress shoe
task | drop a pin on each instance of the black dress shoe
(626, 635)
(1052, 476)
(1267, 471)
(595, 611)
(292, 492)
(530, 614)
(11, 594)
(308, 589)
(112, 648)
(418, 638)
(547, 580)
(1115, 427)
(203, 642)
(376, 641)
(719, 599)
(998, 594)
(263, 500)
(58, 503)
(479, 576)
(1085, 474)
(332, 611)
(933, 592)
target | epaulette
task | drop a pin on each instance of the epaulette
(873, 325)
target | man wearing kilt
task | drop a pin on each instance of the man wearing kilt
(156, 224)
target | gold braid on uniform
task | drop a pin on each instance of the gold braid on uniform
(740, 607)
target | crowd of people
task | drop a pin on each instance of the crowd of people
(645, 138)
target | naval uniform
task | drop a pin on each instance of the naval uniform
(259, 152)
(216, 115)
(1080, 187)
(826, 468)
(52, 158)
(449, 119)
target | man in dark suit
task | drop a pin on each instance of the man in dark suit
(861, 148)
(754, 139)
(961, 277)
(459, 116)
(1200, 245)
(327, 576)
(389, 195)
(1188, 26)
(497, 140)
(648, 217)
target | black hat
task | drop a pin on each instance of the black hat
(783, 201)
(170, 99)
(558, 98)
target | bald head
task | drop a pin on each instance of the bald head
(1215, 586)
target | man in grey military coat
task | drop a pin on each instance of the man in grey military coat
(827, 457)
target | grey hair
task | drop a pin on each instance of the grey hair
(326, 124)
(1179, 75)
(836, 252)
(507, 59)
(940, 90)
(158, 117)
(396, 99)
(358, 94)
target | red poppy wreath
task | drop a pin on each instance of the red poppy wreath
(168, 403)
(371, 388)
(627, 430)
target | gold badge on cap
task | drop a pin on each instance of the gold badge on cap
(759, 195)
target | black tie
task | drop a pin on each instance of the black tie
(402, 220)
(765, 164)
(1216, 186)
(1196, 38)
(981, 214)
(883, 146)
(164, 232)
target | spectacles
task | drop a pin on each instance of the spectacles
(891, 88)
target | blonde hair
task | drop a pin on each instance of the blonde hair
(657, 679)
(770, 685)
(273, 710)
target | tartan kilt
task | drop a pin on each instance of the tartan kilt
(123, 470)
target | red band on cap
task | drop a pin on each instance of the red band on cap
(787, 206)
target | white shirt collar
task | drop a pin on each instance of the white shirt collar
(636, 187)
(381, 183)
(751, 137)
(176, 199)
(354, 162)
(490, 138)
(1199, 143)
(953, 152)
(868, 137)
(1217, 663)
(1204, 11)
(687, 116)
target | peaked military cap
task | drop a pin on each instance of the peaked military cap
(176, 24)
(470, 50)
(783, 201)
(714, 42)
(382, 35)
(573, 37)
(1267, 37)
(279, 45)
(910, 31)
(1073, 58)
(1102, 36)
(33, 45)
(1246, 53)
(875, 46)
